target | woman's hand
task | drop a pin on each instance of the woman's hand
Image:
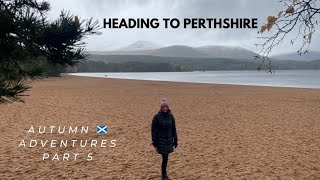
(153, 145)
(175, 144)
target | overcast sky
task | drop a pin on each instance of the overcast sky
(116, 38)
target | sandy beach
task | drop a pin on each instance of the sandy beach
(225, 131)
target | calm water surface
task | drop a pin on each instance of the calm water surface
(281, 78)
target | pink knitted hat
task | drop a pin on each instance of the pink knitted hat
(164, 102)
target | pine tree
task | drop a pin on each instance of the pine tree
(29, 44)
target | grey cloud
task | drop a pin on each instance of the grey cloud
(114, 38)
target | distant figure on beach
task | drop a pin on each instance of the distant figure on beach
(164, 134)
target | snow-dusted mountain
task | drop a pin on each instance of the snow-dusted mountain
(140, 46)
(152, 49)
(177, 51)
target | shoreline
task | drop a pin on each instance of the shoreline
(314, 88)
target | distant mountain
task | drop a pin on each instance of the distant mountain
(140, 46)
(212, 51)
(127, 63)
(184, 63)
(226, 52)
(310, 56)
(178, 51)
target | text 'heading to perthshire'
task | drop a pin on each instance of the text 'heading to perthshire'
(186, 23)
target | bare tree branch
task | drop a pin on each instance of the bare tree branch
(300, 16)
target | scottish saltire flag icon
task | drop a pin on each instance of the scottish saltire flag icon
(101, 129)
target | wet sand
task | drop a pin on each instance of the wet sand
(225, 131)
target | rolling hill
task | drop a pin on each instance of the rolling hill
(212, 51)
(178, 51)
(310, 56)
(186, 58)
(226, 52)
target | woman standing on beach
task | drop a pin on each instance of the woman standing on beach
(164, 134)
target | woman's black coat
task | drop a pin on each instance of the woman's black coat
(164, 133)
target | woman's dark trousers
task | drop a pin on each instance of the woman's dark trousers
(164, 164)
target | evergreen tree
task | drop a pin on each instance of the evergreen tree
(29, 44)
